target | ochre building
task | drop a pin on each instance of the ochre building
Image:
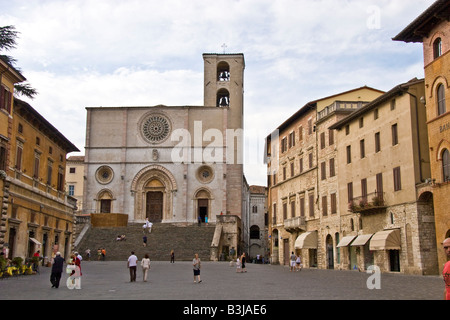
(303, 198)
(39, 214)
(432, 29)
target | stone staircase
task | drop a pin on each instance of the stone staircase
(185, 240)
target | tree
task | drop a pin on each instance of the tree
(8, 36)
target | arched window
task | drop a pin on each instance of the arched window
(437, 48)
(223, 98)
(446, 165)
(254, 232)
(223, 71)
(441, 99)
(105, 198)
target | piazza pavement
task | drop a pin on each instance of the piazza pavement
(109, 280)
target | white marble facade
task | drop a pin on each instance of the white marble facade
(167, 163)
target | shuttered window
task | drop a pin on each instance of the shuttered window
(397, 179)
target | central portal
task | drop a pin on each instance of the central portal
(154, 206)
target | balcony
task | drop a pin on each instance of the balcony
(371, 203)
(295, 224)
(340, 105)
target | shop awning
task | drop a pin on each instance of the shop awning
(362, 239)
(345, 241)
(307, 240)
(35, 241)
(386, 240)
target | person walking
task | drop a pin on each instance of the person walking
(446, 271)
(197, 265)
(172, 256)
(145, 264)
(131, 264)
(74, 281)
(298, 262)
(243, 260)
(293, 258)
(88, 254)
(57, 269)
(144, 240)
(238, 265)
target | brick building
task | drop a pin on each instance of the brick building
(432, 29)
(302, 184)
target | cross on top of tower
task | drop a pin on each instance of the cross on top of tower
(224, 46)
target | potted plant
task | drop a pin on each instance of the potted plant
(17, 262)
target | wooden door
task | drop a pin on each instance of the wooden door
(154, 207)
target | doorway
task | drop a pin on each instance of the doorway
(286, 252)
(330, 252)
(105, 206)
(154, 206)
(394, 259)
(203, 209)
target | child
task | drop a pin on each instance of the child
(238, 265)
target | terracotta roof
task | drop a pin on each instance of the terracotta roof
(25, 110)
(76, 158)
(312, 105)
(423, 24)
(400, 89)
(258, 189)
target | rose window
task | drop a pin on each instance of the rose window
(156, 128)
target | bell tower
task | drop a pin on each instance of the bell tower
(224, 89)
(224, 85)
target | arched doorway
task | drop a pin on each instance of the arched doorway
(104, 201)
(153, 189)
(427, 240)
(202, 199)
(154, 202)
(330, 252)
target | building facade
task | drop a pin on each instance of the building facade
(171, 164)
(258, 226)
(40, 216)
(302, 183)
(386, 216)
(8, 77)
(75, 180)
(432, 29)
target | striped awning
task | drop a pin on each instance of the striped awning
(307, 240)
(345, 241)
(362, 239)
(386, 240)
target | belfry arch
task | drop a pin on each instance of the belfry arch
(153, 188)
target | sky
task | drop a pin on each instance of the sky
(86, 53)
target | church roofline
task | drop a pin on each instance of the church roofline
(147, 107)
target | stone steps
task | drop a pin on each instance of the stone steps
(185, 240)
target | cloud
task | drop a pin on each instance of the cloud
(80, 53)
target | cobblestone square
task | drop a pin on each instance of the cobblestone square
(109, 280)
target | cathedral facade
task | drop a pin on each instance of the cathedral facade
(170, 164)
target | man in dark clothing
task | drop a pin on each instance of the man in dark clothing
(57, 269)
